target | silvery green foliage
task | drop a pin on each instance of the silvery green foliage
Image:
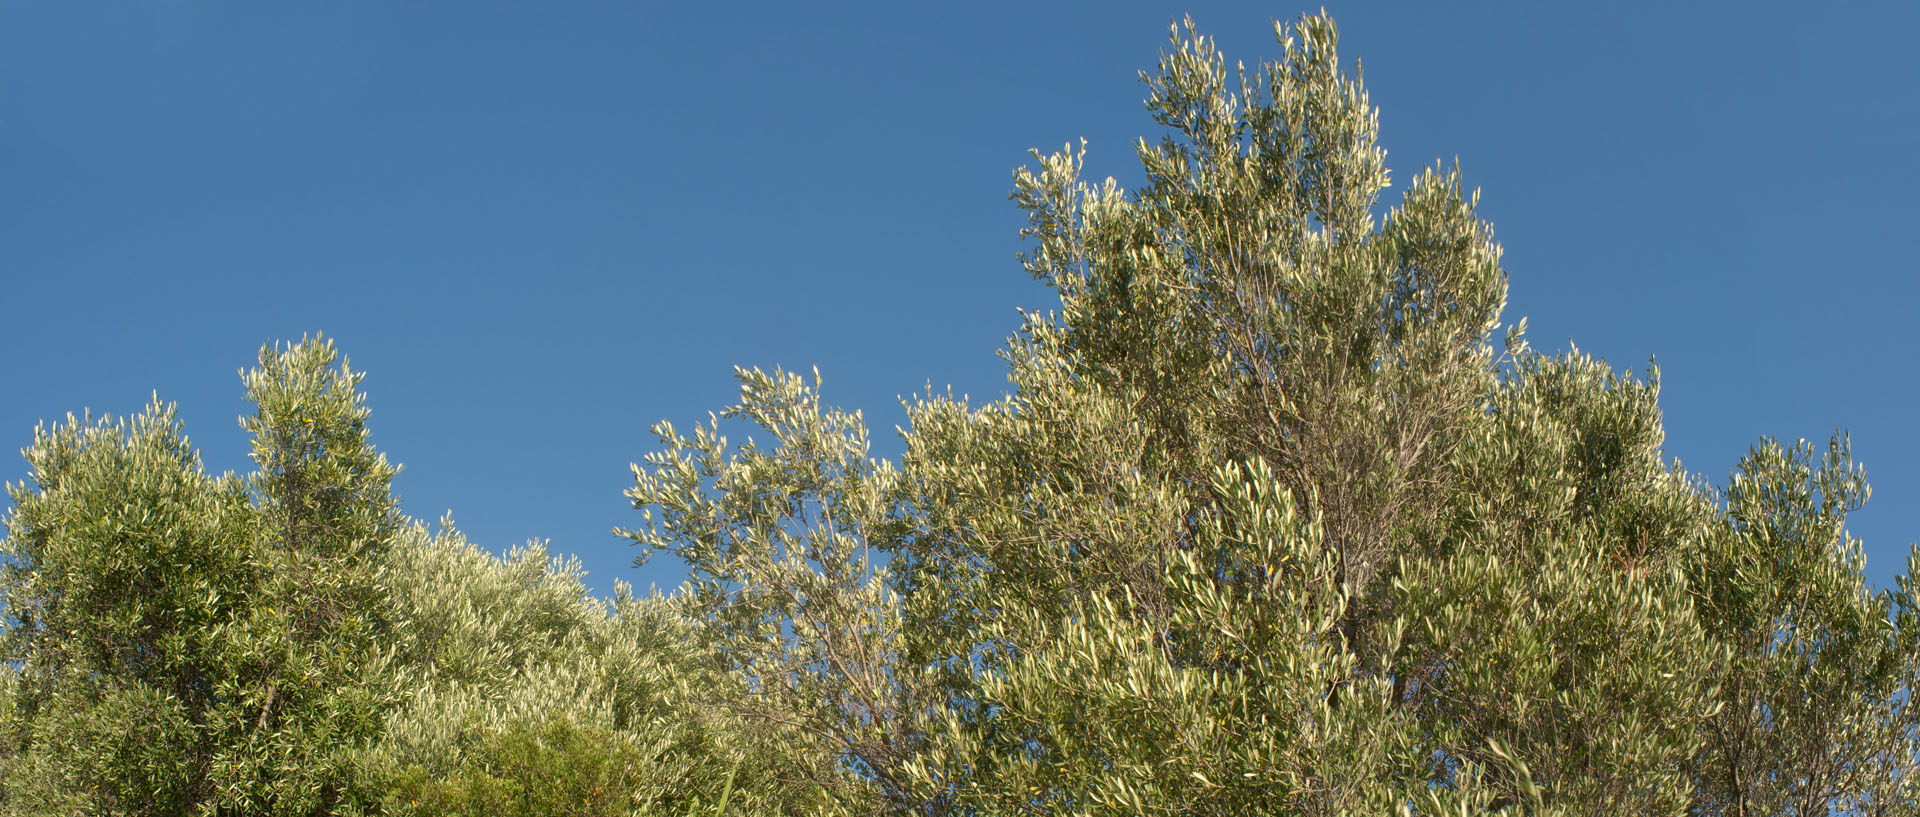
(1550, 615)
(1250, 297)
(94, 634)
(1239, 342)
(1267, 526)
(780, 533)
(1816, 712)
(189, 643)
(324, 520)
(519, 681)
(286, 643)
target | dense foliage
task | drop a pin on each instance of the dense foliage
(1273, 521)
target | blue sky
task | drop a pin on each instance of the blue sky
(542, 227)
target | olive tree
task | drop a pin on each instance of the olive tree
(182, 641)
(1272, 522)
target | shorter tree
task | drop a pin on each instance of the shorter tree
(1815, 713)
(527, 696)
(186, 642)
(127, 568)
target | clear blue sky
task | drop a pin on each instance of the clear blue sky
(541, 227)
